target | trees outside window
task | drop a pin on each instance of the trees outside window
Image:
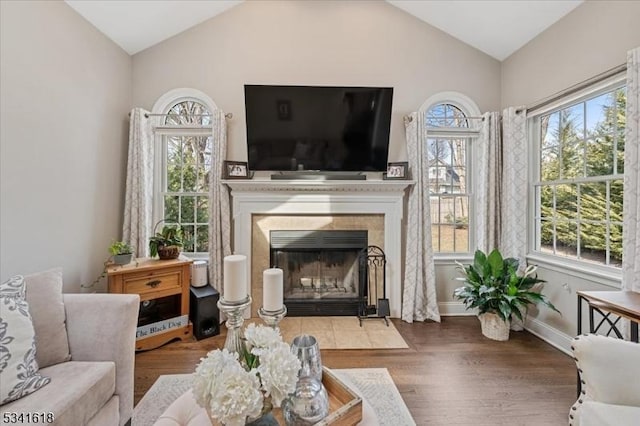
(579, 191)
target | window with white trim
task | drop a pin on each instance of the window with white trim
(578, 185)
(448, 143)
(185, 159)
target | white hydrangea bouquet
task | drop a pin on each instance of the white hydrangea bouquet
(235, 387)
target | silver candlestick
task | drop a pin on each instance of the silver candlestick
(235, 318)
(273, 318)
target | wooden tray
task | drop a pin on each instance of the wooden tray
(345, 406)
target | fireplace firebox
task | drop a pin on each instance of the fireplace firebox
(322, 271)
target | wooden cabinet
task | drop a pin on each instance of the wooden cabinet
(163, 286)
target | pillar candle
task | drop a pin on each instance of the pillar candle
(235, 278)
(272, 289)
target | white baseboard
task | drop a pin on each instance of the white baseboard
(552, 336)
(448, 309)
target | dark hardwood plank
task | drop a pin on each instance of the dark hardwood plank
(450, 375)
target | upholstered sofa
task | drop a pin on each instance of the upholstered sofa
(85, 345)
(609, 371)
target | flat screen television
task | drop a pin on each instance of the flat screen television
(318, 128)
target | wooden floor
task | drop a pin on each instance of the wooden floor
(450, 375)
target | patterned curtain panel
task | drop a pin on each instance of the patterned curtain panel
(513, 239)
(488, 174)
(631, 209)
(419, 300)
(219, 217)
(138, 204)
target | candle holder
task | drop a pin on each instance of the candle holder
(235, 318)
(272, 318)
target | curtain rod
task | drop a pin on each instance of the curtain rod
(228, 115)
(578, 87)
(408, 118)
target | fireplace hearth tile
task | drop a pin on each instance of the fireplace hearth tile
(383, 339)
(340, 324)
(355, 339)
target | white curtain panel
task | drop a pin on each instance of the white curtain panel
(513, 235)
(488, 173)
(631, 209)
(419, 301)
(219, 212)
(138, 203)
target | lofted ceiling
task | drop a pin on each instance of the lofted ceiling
(496, 27)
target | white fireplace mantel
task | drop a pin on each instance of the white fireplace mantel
(300, 197)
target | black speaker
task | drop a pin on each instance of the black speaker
(203, 312)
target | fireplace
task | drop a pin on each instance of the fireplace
(322, 271)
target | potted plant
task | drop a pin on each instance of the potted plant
(121, 252)
(494, 287)
(167, 243)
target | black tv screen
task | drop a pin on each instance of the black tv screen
(318, 127)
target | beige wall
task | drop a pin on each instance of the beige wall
(591, 39)
(315, 43)
(66, 90)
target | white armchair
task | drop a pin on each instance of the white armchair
(609, 371)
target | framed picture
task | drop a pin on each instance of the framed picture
(236, 170)
(398, 170)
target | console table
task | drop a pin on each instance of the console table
(621, 304)
(163, 286)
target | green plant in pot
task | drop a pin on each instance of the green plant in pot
(494, 287)
(167, 243)
(121, 252)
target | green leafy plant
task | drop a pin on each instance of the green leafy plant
(493, 285)
(120, 247)
(170, 236)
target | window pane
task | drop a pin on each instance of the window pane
(204, 163)
(615, 200)
(458, 180)
(615, 244)
(188, 113)
(446, 238)
(174, 164)
(593, 202)
(593, 238)
(546, 201)
(600, 155)
(546, 235)
(566, 201)
(187, 209)
(550, 145)
(596, 108)
(446, 210)
(202, 233)
(462, 224)
(171, 207)
(189, 172)
(188, 238)
(572, 141)
(435, 209)
(202, 210)
(566, 238)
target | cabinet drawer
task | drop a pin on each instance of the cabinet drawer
(153, 283)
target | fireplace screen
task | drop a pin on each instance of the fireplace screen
(322, 271)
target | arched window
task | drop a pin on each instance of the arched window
(184, 160)
(451, 125)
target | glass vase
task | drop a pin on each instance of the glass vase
(308, 404)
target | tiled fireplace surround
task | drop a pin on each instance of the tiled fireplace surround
(259, 206)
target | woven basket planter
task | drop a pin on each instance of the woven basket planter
(494, 327)
(168, 252)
